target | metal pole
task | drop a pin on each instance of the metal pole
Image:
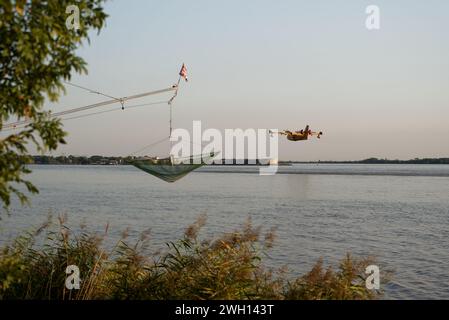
(171, 119)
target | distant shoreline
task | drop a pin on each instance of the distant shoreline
(108, 161)
(378, 161)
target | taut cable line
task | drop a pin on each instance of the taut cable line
(91, 91)
(113, 110)
(121, 100)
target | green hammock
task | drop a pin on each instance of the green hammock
(170, 169)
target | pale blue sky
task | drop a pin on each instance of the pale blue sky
(274, 64)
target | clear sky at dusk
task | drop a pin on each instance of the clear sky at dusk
(273, 64)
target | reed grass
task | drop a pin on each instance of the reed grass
(228, 267)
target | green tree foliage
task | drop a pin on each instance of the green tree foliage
(37, 53)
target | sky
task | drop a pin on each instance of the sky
(272, 64)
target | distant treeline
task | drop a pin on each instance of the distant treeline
(80, 160)
(103, 160)
(383, 161)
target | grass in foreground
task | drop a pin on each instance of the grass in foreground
(229, 267)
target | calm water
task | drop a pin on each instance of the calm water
(398, 213)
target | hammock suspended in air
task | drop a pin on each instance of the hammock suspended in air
(171, 169)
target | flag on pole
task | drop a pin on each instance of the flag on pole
(183, 72)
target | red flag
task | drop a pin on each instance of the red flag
(183, 72)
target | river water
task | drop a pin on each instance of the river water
(397, 213)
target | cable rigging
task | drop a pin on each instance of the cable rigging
(168, 169)
(121, 100)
